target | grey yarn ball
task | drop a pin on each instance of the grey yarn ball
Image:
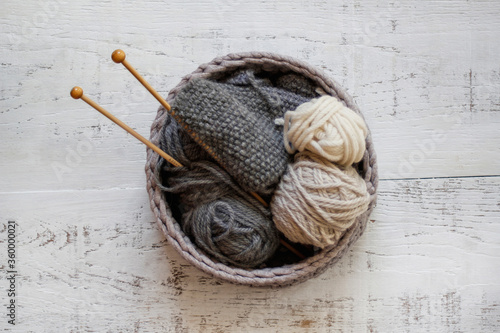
(222, 219)
(233, 232)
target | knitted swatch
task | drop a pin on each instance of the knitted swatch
(224, 221)
(234, 121)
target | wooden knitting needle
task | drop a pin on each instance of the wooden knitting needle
(118, 56)
(77, 93)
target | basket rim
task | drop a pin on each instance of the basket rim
(272, 276)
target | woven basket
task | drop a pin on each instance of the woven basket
(276, 276)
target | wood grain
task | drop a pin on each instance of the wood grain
(91, 258)
(81, 268)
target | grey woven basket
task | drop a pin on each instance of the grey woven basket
(276, 276)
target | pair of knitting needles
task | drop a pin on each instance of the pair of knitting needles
(118, 56)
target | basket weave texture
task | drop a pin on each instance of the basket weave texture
(275, 276)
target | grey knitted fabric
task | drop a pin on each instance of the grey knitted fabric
(234, 121)
(224, 221)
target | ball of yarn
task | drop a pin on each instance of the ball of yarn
(316, 200)
(222, 219)
(232, 231)
(328, 128)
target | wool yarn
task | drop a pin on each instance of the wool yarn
(317, 200)
(223, 221)
(233, 120)
(232, 231)
(328, 128)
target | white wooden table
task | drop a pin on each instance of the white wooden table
(89, 255)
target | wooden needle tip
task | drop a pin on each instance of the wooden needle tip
(118, 56)
(76, 92)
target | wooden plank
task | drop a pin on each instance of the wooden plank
(88, 258)
(428, 86)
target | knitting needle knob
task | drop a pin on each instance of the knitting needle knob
(76, 92)
(118, 56)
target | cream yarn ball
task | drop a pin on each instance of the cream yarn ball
(328, 128)
(317, 200)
